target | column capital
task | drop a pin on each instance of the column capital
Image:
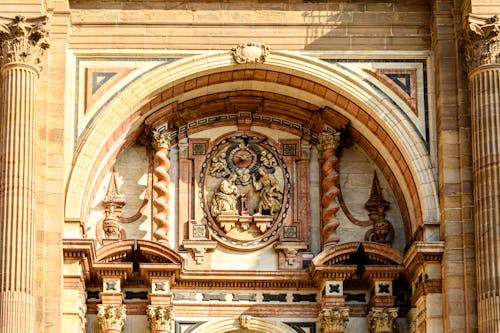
(111, 317)
(482, 42)
(330, 139)
(160, 140)
(23, 40)
(334, 320)
(381, 320)
(160, 317)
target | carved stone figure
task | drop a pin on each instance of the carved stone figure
(269, 192)
(219, 165)
(224, 201)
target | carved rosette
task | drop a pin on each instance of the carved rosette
(482, 42)
(330, 141)
(160, 318)
(111, 317)
(250, 52)
(381, 320)
(23, 41)
(161, 182)
(334, 320)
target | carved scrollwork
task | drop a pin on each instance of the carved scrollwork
(482, 42)
(250, 52)
(24, 40)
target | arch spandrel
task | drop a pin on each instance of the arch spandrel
(130, 107)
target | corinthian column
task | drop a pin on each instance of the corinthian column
(111, 317)
(160, 318)
(22, 42)
(483, 64)
(334, 320)
(330, 142)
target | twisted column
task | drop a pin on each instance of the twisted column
(483, 63)
(22, 43)
(161, 182)
(330, 142)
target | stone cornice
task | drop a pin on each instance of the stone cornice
(482, 42)
(23, 40)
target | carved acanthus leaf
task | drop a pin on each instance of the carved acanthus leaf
(482, 42)
(24, 40)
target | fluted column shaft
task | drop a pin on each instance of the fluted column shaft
(22, 42)
(17, 198)
(482, 52)
(485, 103)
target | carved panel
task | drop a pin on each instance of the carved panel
(245, 191)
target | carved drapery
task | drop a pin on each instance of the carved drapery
(22, 43)
(334, 320)
(161, 182)
(381, 320)
(330, 142)
(111, 317)
(160, 318)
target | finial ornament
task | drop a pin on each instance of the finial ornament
(250, 52)
(24, 40)
(482, 41)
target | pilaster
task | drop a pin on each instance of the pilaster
(22, 43)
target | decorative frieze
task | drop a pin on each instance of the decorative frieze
(24, 41)
(111, 317)
(160, 318)
(482, 42)
(334, 320)
(381, 320)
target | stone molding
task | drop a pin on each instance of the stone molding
(334, 320)
(111, 317)
(381, 320)
(24, 40)
(160, 318)
(482, 42)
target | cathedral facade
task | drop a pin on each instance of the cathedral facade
(249, 167)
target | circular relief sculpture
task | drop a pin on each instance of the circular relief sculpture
(245, 191)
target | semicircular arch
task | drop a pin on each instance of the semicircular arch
(332, 86)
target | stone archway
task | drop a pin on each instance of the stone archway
(243, 324)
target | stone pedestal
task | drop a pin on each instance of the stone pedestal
(483, 62)
(21, 43)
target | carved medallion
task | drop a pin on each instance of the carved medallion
(245, 191)
(250, 52)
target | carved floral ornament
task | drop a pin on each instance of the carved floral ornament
(24, 40)
(250, 52)
(482, 42)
